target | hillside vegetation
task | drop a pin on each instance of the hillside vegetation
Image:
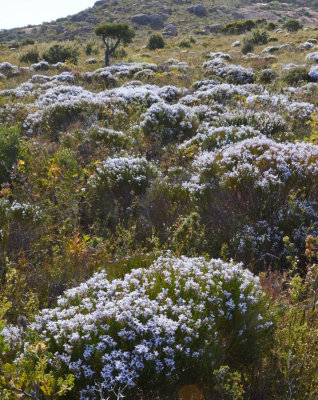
(189, 17)
(159, 217)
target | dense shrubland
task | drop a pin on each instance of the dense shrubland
(159, 221)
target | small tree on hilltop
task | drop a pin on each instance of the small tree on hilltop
(113, 35)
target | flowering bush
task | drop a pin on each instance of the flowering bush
(237, 186)
(266, 122)
(116, 182)
(212, 137)
(169, 123)
(156, 326)
(233, 73)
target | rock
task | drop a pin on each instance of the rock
(82, 16)
(214, 28)
(313, 73)
(313, 41)
(140, 19)
(91, 61)
(287, 46)
(59, 29)
(166, 10)
(270, 49)
(236, 44)
(305, 46)
(312, 56)
(41, 66)
(100, 3)
(157, 20)
(199, 10)
(170, 30)
(2, 77)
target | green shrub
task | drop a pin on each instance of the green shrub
(120, 53)
(184, 43)
(59, 53)
(296, 75)
(9, 151)
(248, 47)
(239, 27)
(267, 75)
(27, 42)
(271, 26)
(293, 25)
(156, 41)
(32, 57)
(257, 37)
(88, 49)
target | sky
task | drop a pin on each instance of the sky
(19, 13)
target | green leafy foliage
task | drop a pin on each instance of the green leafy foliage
(59, 53)
(156, 41)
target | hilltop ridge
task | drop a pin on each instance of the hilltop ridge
(170, 17)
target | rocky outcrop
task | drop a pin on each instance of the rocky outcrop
(166, 10)
(199, 10)
(213, 28)
(140, 19)
(100, 3)
(170, 30)
(157, 20)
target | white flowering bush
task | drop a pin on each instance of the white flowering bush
(268, 123)
(110, 137)
(169, 123)
(210, 137)
(119, 179)
(232, 73)
(180, 318)
(240, 183)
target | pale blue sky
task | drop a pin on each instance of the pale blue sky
(18, 13)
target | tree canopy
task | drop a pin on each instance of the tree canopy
(113, 35)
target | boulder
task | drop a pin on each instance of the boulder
(157, 20)
(80, 17)
(100, 3)
(170, 30)
(305, 46)
(140, 19)
(313, 73)
(236, 44)
(213, 28)
(312, 56)
(166, 10)
(59, 29)
(91, 61)
(199, 10)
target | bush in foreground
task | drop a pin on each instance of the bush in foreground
(156, 328)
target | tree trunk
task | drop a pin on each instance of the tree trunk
(107, 57)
